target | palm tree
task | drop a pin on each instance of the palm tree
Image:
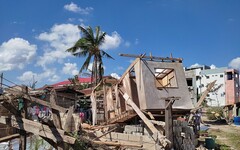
(89, 46)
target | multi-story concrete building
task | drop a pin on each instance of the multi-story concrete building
(193, 76)
(216, 97)
(225, 91)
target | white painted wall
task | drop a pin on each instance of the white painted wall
(216, 98)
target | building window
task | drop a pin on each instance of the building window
(207, 77)
(189, 82)
(229, 76)
(221, 76)
(165, 77)
(198, 78)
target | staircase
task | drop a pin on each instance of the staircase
(121, 118)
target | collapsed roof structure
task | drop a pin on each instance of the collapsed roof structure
(150, 85)
(152, 90)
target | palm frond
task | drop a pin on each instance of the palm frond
(97, 29)
(103, 53)
(86, 63)
(81, 53)
(87, 33)
(80, 44)
(101, 38)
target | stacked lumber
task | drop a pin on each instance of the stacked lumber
(184, 137)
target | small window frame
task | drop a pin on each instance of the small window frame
(165, 78)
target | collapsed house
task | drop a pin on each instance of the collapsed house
(136, 111)
(152, 89)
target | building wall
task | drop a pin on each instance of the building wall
(217, 95)
(201, 77)
(151, 96)
(232, 86)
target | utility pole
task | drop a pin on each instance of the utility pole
(1, 84)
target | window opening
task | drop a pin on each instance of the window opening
(165, 77)
(189, 82)
(229, 76)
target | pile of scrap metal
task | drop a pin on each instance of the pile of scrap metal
(144, 101)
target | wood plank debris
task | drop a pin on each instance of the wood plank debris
(37, 128)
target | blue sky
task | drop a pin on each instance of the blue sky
(35, 34)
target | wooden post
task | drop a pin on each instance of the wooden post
(56, 117)
(156, 135)
(168, 121)
(23, 135)
(1, 81)
(105, 102)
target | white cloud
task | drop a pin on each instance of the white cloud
(195, 65)
(70, 68)
(54, 78)
(16, 53)
(71, 19)
(111, 41)
(81, 20)
(77, 9)
(90, 67)
(59, 38)
(115, 75)
(235, 63)
(120, 68)
(47, 75)
(127, 44)
(136, 42)
(213, 66)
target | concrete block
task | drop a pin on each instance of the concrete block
(98, 133)
(122, 136)
(135, 138)
(148, 146)
(147, 139)
(113, 135)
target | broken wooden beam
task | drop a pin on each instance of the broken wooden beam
(153, 57)
(37, 128)
(156, 135)
(9, 137)
(20, 94)
(42, 102)
(55, 112)
(68, 123)
(117, 144)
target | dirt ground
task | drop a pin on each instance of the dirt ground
(226, 136)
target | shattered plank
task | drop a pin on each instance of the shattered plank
(37, 128)
(153, 57)
(55, 113)
(68, 122)
(9, 137)
(117, 144)
(39, 101)
(157, 136)
(18, 94)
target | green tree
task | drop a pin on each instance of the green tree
(89, 46)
